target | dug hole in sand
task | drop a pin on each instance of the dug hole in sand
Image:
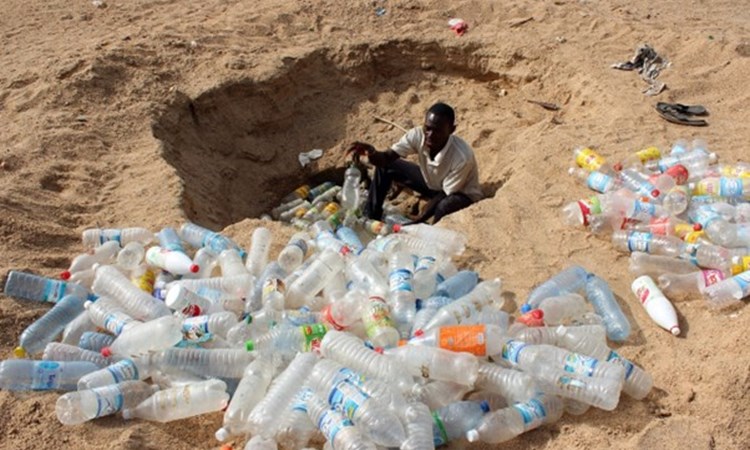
(97, 127)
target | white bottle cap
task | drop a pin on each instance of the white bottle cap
(472, 436)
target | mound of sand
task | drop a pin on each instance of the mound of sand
(148, 113)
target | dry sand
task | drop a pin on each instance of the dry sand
(151, 112)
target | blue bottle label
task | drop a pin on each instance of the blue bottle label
(533, 413)
(331, 423)
(124, 370)
(511, 351)
(641, 207)
(730, 187)
(115, 322)
(614, 357)
(45, 375)
(109, 400)
(639, 241)
(346, 398)
(580, 364)
(194, 328)
(300, 400)
(400, 280)
(424, 263)
(570, 384)
(743, 281)
(53, 291)
(598, 181)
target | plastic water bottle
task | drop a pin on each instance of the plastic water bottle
(261, 443)
(250, 391)
(45, 329)
(457, 285)
(294, 252)
(692, 283)
(595, 180)
(656, 304)
(262, 418)
(107, 314)
(181, 402)
(27, 286)
(563, 309)
(349, 237)
(437, 364)
(172, 261)
(419, 434)
(655, 265)
(350, 190)
(188, 303)
(345, 311)
(131, 255)
(145, 337)
(588, 159)
(314, 278)
(379, 326)
(112, 283)
(91, 340)
(56, 351)
(103, 254)
(453, 241)
(453, 421)
(507, 423)
(288, 340)
(729, 291)
(199, 237)
(570, 280)
(632, 241)
(94, 237)
(467, 307)
(216, 324)
(337, 429)
(74, 330)
(75, 408)
(27, 374)
(260, 244)
(676, 200)
(514, 385)
(534, 358)
(479, 340)
(638, 183)
(296, 429)
(219, 362)
(122, 370)
(603, 300)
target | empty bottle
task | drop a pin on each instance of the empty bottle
(199, 237)
(467, 307)
(296, 429)
(595, 180)
(632, 241)
(479, 340)
(656, 304)
(181, 402)
(217, 324)
(693, 283)
(219, 362)
(457, 285)
(638, 183)
(188, 303)
(729, 291)
(74, 330)
(91, 340)
(103, 254)
(27, 286)
(145, 337)
(437, 364)
(570, 280)
(350, 190)
(250, 391)
(175, 262)
(112, 283)
(75, 408)
(655, 265)
(294, 252)
(56, 351)
(45, 329)
(345, 311)
(349, 237)
(94, 237)
(603, 300)
(288, 340)
(337, 429)
(260, 244)
(314, 278)
(107, 314)
(453, 421)
(507, 423)
(676, 200)
(27, 374)
(453, 241)
(122, 370)
(588, 159)
(234, 287)
(131, 255)
(514, 385)
(380, 327)
(419, 432)
(563, 309)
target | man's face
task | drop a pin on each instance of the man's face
(437, 130)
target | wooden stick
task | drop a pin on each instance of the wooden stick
(390, 123)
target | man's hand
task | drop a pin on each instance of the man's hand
(359, 149)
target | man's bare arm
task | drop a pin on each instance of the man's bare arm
(376, 158)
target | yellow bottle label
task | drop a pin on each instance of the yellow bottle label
(589, 159)
(707, 186)
(648, 154)
(146, 281)
(693, 236)
(743, 265)
(302, 191)
(683, 229)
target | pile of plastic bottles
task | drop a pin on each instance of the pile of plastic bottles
(365, 340)
(684, 218)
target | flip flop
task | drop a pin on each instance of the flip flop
(691, 110)
(674, 116)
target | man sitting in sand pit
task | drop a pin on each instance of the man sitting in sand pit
(446, 172)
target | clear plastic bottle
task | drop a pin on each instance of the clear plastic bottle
(655, 265)
(56, 351)
(250, 391)
(28, 286)
(91, 340)
(458, 284)
(603, 300)
(479, 340)
(235, 287)
(94, 237)
(337, 429)
(730, 291)
(638, 183)
(199, 237)
(563, 309)
(693, 283)
(45, 329)
(122, 370)
(346, 310)
(181, 402)
(112, 283)
(436, 394)
(27, 374)
(263, 417)
(75, 408)
(257, 257)
(314, 278)
(437, 364)
(676, 200)
(466, 308)
(595, 180)
(296, 429)
(261, 443)
(131, 255)
(419, 421)
(350, 190)
(186, 302)
(231, 263)
(692, 160)
(294, 252)
(219, 362)
(74, 330)
(107, 314)
(350, 237)
(379, 325)
(103, 254)
(453, 421)
(505, 424)
(570, 280)
(534, 358)
(146, 337)
(453, 241)
(288, 340)
(512, 384)
(216, 324)
(631, 241)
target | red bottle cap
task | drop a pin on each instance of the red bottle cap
(396, 227)
(106, 352)
(195, 268)
(697, 227)
(679, 173)
(418, 333)
(65, 275)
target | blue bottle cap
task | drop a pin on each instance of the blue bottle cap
(525, 308)
(485, 405)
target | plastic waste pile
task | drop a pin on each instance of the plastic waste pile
(683, 217)
(357, 336)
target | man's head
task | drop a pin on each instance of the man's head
(439, 124)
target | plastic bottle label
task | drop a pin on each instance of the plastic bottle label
(110, 235)
(648, 154)
(109, 400)
(424, 263)
(639, 241)
(533, 413)
(660, 226)
(194, 328)
(742, 266)
(300, 400)
(439, 434)
(589, 207)
(313, 335)
(124, 370)
(301, 317)
(146, 281)
(598, 181)
(347, 374)
(709, 186)
(743, 281)
(615, 357)
(53, 291)
(570, 383)
(730, 187)
(470, 339)
(400, 280)
(580, 364)
(347, 398)
(589, 159)
(331, 423)
(704, 215)
(378, 316)
(45, 375)
(511, 350)
(712, 276)
(641, 207)
(115, 322)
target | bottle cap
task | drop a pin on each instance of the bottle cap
(525, 308)
(194, 268)
(65, 275)
(222, 434)
(472, 435)
(617, 166)
(19, 352)
(675, 330)
(655, 193)
(418, 303)
(679, 173)
(697, 227)
(419, 333)
(396, 227)
(106, 352)
(249, 345)
(485, 405)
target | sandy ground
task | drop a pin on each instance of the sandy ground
(145, 113)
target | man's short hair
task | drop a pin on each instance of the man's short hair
(443, 110)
